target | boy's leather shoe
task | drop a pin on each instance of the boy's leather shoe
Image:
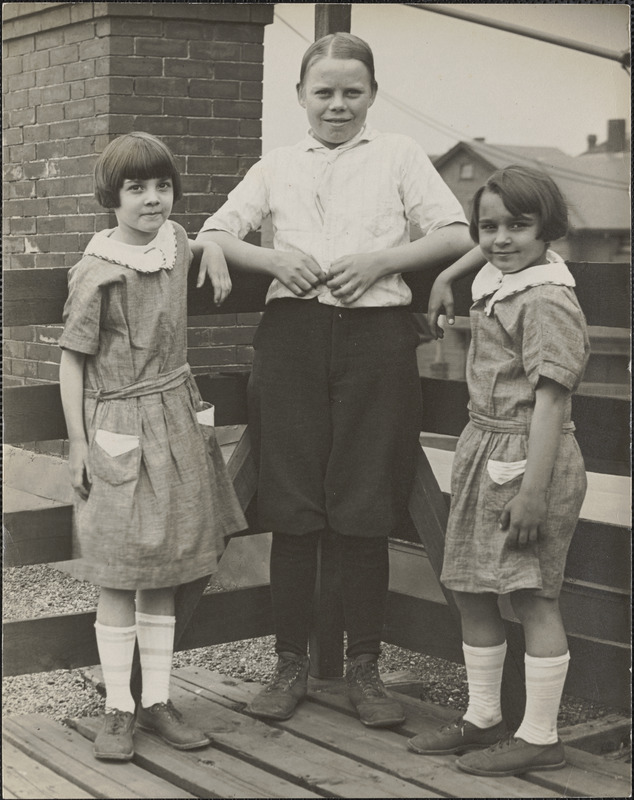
(114, 741)
(513, 756)
(367, 694)
(168, 723)
(456, 737)
(287, 687)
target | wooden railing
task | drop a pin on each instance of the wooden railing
(595, 598)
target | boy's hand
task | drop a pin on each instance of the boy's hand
(440, 297)
(522, 518)
(214, 264)
(298, 272)
(79, 468)
(351, 276)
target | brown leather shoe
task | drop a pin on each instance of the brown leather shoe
(168, 723)
(114, 741)
(456, 737)
(287, 687)
(513, 756)
(367, 694)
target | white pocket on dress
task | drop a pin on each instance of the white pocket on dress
(115, 444)
(504, 471)
(206, 416)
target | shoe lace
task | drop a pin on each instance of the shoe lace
(366, 676)
(503, 744)
(116, 721)
(286, 674)
(170, 710)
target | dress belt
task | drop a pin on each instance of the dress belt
(487, 423)
(158, 383)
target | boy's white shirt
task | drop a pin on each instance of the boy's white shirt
(496, 285)
(329, 203)
(158, 254)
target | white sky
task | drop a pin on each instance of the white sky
(476, 80)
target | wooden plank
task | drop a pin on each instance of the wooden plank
(23, 776)
(70, 755)
(67, 641)
(206, 772)
(601, 553)
(37, 296)
(276, 747)
(599, 735)
(603, 291)
(37, 536)
(326, 720)
(331, 18)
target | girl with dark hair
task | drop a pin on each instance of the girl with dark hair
(518, 478)
(335, 404)
(153, 498)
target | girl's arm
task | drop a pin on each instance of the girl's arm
(212, 263)
(298, 272)
(350, 276)
(524, 514)
(441, 295)
(71, 380)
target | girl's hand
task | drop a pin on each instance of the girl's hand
(213, 264)
(298, 272)
(440, 297)
(79, 468)
(351, 276)
(522, 518)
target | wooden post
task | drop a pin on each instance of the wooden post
(331, 18)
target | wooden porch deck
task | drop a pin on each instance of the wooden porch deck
(322, 751)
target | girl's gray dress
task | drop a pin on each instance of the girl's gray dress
(161, 500)
(522, 329)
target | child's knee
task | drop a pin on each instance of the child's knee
(528, 606)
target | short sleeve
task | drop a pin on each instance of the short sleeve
(427, 199)
(82, 310)
(246, 205)
(555, 341)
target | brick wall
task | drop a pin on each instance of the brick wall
(77, 74)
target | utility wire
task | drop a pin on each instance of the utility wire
(451, 132)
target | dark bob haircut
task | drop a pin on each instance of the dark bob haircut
(338, 45)
(136, 155)
(525, 190)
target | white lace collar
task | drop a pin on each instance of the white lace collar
(496, 285)
(158, 254)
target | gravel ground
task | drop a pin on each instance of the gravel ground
(41, 590)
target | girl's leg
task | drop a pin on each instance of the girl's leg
(116, 633)
(155, 632)
(484, 648)
(546, 663)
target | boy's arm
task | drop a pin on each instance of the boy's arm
(298, 272)
(350, 276)
(71, 380)
(524, 514)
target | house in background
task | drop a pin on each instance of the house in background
(595, 184)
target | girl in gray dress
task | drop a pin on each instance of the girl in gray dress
(153, 498)
(518, 478)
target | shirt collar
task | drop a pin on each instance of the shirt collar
(494, 285)
(366, 134)
(158, 254)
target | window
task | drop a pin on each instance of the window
(466, 172)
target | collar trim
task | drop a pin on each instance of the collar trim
(492, 285)
(158, 254)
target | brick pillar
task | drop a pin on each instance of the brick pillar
(77, 74)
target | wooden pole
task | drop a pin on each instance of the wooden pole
(332, 18)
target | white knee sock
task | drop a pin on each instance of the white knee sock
(156, 648)
(545, 678)
(116, 649)
(484, 675)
